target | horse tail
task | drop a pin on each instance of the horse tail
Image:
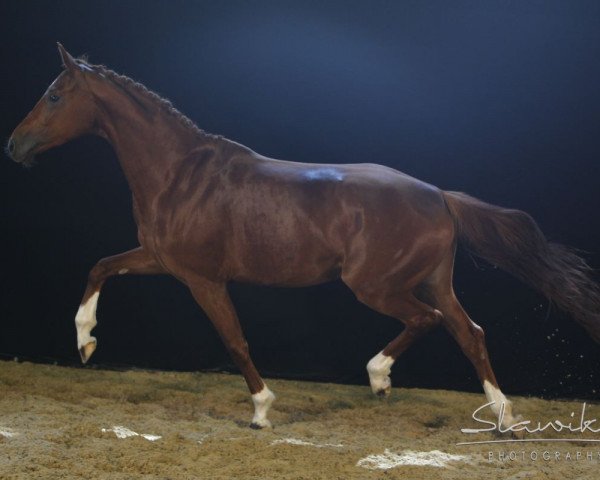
(513, 241)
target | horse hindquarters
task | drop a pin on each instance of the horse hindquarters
(418, 291)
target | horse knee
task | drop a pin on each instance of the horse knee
(98, 272)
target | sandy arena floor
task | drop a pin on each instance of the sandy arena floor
(67, 423)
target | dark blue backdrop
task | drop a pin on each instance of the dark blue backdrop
(499, 99)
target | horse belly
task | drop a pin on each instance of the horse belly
(285, 261)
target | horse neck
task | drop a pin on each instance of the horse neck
(150, 144)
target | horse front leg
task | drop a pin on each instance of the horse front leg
(135, 261)
(216, 303)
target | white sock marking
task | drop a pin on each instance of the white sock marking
(494, 394)
(379, 368)
(262, 402)
(85, 320)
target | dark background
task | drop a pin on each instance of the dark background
(498, 99)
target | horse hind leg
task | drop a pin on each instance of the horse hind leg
(469, 336)
(471, 340)
(418, 317)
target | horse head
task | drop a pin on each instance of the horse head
(66, 110)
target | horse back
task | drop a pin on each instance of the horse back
(284, 223)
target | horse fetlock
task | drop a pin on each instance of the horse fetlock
(85, 322)
(502, 407)
(379, 369)
(508, 417)
(83, 333)
(262, 402)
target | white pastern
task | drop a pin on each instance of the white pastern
(379, 368)
(494, 394)
(262, 402)
(85, 320)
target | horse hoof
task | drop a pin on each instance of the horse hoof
(86, 351)
(517, 434)
(260, 426)
(384, 392)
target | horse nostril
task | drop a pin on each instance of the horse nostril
(11, 146)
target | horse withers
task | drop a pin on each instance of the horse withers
(210, 211)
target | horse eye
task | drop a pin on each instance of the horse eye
(54, 98)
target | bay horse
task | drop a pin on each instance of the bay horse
(210, 211)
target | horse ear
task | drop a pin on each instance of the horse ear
(67, 59)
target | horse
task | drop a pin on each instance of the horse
(210, 211)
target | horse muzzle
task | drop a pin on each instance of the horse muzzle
(22, 149)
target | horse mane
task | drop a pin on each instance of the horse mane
(136, 89)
